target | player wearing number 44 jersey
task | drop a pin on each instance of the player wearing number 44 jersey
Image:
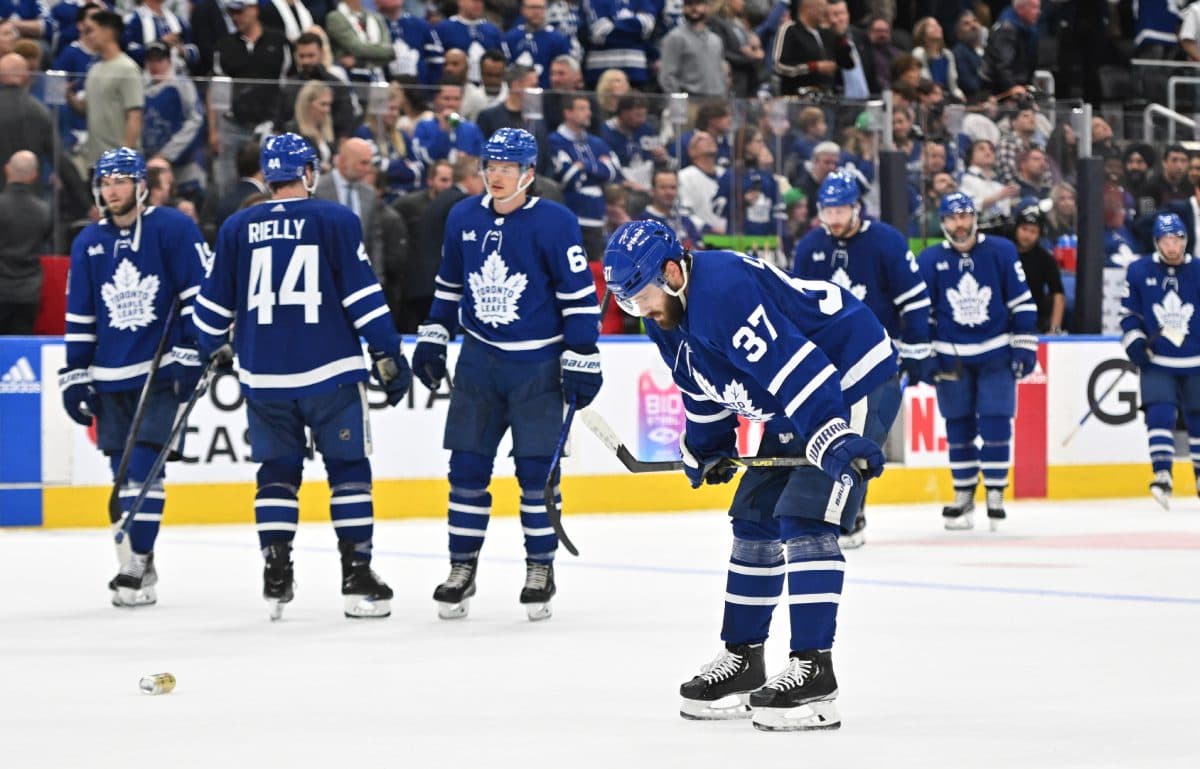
(515, 269)
(291, 276)
(816, 367)
(984, 322)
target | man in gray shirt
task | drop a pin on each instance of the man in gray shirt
(114, 92)
(693, 56)
(25, 222)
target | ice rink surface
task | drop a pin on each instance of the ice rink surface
(1071, 639)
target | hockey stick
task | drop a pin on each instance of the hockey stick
(114, 498)
(552, 510)
(602, 430)
(123, 526)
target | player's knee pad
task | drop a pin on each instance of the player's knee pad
(995, 429)
(348, 475)
(532, 473)
(809, 540)
(961, 431)
(469, 470)
(757, 551)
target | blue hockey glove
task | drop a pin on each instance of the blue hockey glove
(581, 377)
(393, 373)
(1024, 354)
(711, 467)
(1138, 352)
(79, 397)
(841, 452)
(429, 357)
(186, 371)
(918, 362)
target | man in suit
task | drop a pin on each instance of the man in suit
(347, 185)
(25, 222)
(438, 178)
(250, 181)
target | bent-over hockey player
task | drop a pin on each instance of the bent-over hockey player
(515, 268)
(871, 260)
(813, 363)
(126, 271)
(984, 336)
(1162, 338)
(291, 276)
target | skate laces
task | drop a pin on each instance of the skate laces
(794, 675)
(726, 665)
(460, 574)
(135, 566)
(537, 575)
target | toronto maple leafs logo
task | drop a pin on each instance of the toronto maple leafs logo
(130, 298)
(1174, 315)
(734, 397)
(495, 292)
(841, 278)
(969, 301)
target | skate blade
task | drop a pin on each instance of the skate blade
(275, 609)
(538, 611)
(127, 598)
(852, 541)
(963, 522)
(994, 523)
(810, 717)
(728, 708)
(454, 610)
(361, 607)
(1162, 497)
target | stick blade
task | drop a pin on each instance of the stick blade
(602, 430)
(554, 513)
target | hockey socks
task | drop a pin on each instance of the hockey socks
(540, 540)
(816, 571)
(350, 505)
(470, 506)
(276, 502)
(144, 529)
(754, 582)
(1160, 432)
(964, 454)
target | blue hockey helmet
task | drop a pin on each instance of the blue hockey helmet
(512, 145)
(956, 203)
(840, 188)
(1168, 224)
(634, 259)
(285, 157)
(122, 162)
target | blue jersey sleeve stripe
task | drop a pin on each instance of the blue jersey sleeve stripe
(370, 316)
(1129, 336)
(703, 419)
(915, 306)
(1023, 297)
(1025, 308)
(212, 306)
(581, 311)
(880, 353)
(374, 288)
(798, 402)
(185, 311)
(200, 324)
(439, 280)
(909, 294)
(967, 350)
(85, 319)
(189, 292)
(79, 338)
(580, 294)
(789, 367)
(121, 373)
(447, 296)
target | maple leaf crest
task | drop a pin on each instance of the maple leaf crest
(734, 397)
(130, 298)
(969, 301)
(1174, 315)
(841, 278)
(495, 292)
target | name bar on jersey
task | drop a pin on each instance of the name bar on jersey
(275, 229)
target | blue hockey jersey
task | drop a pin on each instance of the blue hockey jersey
(419, 50)
(876, 266)
(563, 16)
(472, 37)
(980, 299)
(1163, 297)
(687, 230)
(173, 117)
(771, 348)
(294, 278)
(617, 37)
(1157, 21)
(537, 49)
(583, 187)
(632, 150)
(430, 143)
(763, 215)
(120, 289)
(75, 60)
(143, 26)
(521, 281)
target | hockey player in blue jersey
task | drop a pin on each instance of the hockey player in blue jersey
(514, 269)
(871, 260)
(1161, 335)
(984, 337)
(292, 276)
(814, 365)
(127, 270)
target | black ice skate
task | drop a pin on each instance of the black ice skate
(1161, 488)
(539, 589)
(135, 584)
(454, 595)
(857, 536)
(959, 515)
(722, 689)
(364, 594)
(279, 585)
(801, 698)
(995, 508)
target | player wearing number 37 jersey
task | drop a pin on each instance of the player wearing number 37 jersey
(291, 277)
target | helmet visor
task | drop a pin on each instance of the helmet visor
(641, 303)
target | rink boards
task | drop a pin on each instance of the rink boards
(52, 475)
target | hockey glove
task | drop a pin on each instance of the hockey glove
(429, 357)
(79, 397)
(581, 377)
(393, 373)
(1024, 355)
(1138, 352)
(711, 467)
(918, 362)
(187, 372)
(841, 452)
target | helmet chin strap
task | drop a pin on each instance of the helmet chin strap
(971, 236)
(851, 226)
(140, 196)
(311, 189)
(521, 186)
(680, 293)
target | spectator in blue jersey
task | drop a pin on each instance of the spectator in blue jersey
(173, 119)
(635, 144)
(75, 58)
(664, 208)
(317, 387)
(937, 61)
(360, 40)
(618, 37)
(418, 49)
(693, 56)
(564, 16)
(471, 33)
(64, 19)
(291, 17)
(759, 210)
(704, 186)
(31, 18)
(446, 136)
(582, 163)
(391, 154)
(151, 21)
(534, 44)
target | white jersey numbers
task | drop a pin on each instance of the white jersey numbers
(301, 269)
